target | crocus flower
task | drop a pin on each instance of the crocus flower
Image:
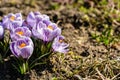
(1, 31)
(20, 32)
(12, 21)
(34, 17)
(59, 45)
(22, 48)
(46, 33)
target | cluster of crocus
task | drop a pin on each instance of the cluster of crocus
(35, 33)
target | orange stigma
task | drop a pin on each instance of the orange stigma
(20, 33)
(12, 18)
(22, 45)
(50, 27)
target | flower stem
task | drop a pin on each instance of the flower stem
(24, 67)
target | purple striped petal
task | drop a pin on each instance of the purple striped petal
(26, 52)
(14, 49)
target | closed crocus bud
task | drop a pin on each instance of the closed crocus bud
(22, 48)
(33, 18)
(59, 45)
(1, 31)
(46, 33)
(12, 21)
(20, 32)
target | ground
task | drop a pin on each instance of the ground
(90, 57)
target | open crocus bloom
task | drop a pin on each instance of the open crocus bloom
(46, 33)
(20, 32)
(34, 17)
(59, 45)
(1, 31)
(12, 21)
(22, 48)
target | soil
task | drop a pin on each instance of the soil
(77, 34)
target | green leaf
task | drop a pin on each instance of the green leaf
(36, 64)
(33, 63)
(1, 59)
(16, 68)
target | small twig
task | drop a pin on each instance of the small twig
(58, 22)
(101, 75)
(115, 76)
(117, 23)
(79, 77)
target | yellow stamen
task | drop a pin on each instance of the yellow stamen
(22, 45)
(60, 41)
(50, 27)
(12, 18)
(20, 33)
